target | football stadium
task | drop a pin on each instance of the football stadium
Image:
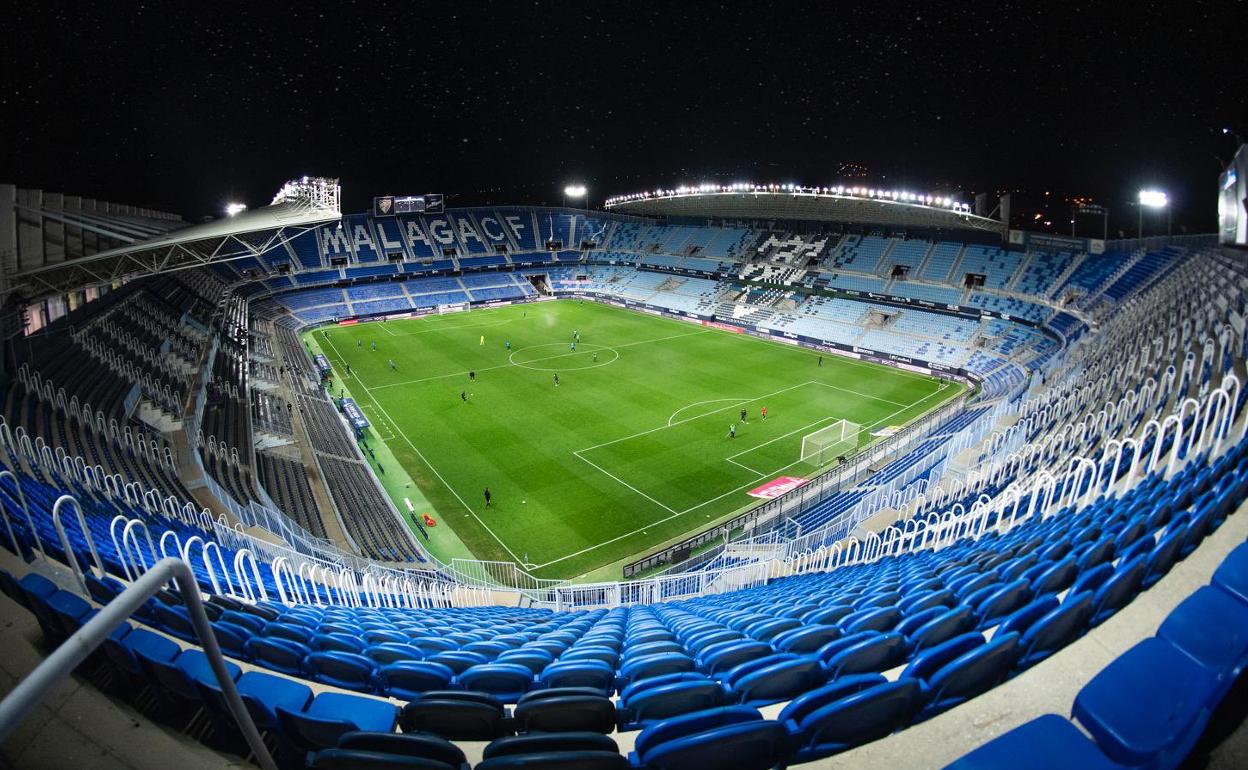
(732, 475)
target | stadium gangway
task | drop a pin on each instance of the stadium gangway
(32, 689)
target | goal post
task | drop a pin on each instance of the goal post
(826, 444)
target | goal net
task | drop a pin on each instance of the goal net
(826, 444)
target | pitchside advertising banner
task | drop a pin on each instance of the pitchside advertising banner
(354, 415)
(776, 487)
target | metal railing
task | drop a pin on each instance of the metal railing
(32, 689)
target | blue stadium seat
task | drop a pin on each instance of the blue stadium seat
(653, 665)
(848, 712)
(261, 693)
(505, 681)
(177, 678)
(730, 738)
(331, 715)
(779, 681)
(341, 669)
(961, 668)
(1211, 627)
(280, 655)
(805, 639)
(1054, 630)
(458, 661)
(1118, 590)
(385, 653)
(1232, 575)
(536, 660)
(723, 656)
(946, 625)
(584, 673)
(641, 708)
(1148, 706)
(879, 652)
(408, 680)
(1044, 743)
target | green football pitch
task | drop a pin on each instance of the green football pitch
(631, 449)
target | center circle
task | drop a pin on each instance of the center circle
(568, 360)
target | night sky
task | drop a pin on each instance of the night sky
(184, 108)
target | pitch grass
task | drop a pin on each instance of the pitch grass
(628, 451)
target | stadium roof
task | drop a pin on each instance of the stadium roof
(245, 234)
(818, 204)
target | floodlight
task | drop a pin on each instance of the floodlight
(234, 208)
(1154, 199)
(575, 191)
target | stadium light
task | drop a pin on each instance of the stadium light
(232, 209)
(1153, 199)
(573, 191)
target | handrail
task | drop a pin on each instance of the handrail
(86, 533)
(64, 659)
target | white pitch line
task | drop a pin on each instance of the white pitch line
(738, 399)
(777, 438)
(696, 417)
(437, 473)
(625, 483)
(713, 499)
(535, 360)
(671, 424)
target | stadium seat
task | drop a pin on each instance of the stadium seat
(1054, 630)
(805, 639)
(946, 625)
(331, 715)
(1211, 627)
(1232, 574)
(878, 652)
(1118, 590)
(1042, 744)
(641, 708)
(455, 714)
(341, 669)
(853, 710)
(261, 693)
(556, 751)
(586, 673)
(1147, 706)
(280, 655)
(725, 655)
(961, 668)
(730, 738)
(652, 666)
(567, 709)
(505, 681)
(778, 682)
(379, 751)
(408, 680)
